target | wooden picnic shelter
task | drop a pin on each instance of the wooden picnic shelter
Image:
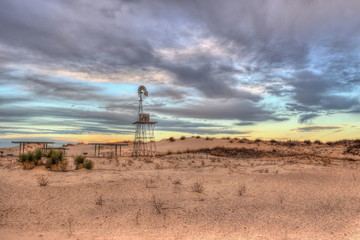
(22, 144)
(116, 145)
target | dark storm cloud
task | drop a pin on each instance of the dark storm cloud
(208, 79)
(245, 124)
(312, 46)
(169, 92)
(76, 121)
(9, 100)
(202, 131)
(307, 117)
(315, 128)
(244, 110)
(60, 89)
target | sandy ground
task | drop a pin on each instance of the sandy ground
(298, 194)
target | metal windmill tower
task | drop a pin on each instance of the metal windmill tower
(144, 144)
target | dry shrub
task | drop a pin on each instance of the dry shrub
(242, 189)
(42, 180)
(99, 201)
(197, 187)
(197, 137)
(157, 204)
(150, 183)
(264, 170)
(171, 139)
(177, 182)
(130, 162)
(148, 160)
(354, 150)
(182, 138)
(158, 166)
(326, 161)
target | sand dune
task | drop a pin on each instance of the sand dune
(277, 191)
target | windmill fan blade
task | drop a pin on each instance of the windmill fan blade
(142, 90)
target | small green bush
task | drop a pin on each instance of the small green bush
(38, 154)
(79, 159)
(26, 157)
(55, 158)
(89, 164)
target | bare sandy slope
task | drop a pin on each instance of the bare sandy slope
(292, 196)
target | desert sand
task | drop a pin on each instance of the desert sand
(262, 190)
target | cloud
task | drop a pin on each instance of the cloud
(245, 124)
(307, 117)
(315, 128)
(202, 131)
(244, 110)
(169, 92)
(241, 61)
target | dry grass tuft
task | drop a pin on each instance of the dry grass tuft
(42, 180)
(157, 204)
(197, 187)
(99, 201)
(242, 190)
(177, 182)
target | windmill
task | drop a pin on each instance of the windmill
(144, 143)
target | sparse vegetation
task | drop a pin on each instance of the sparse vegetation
(157, 204)
(318, 142)
(89, 164)
(56, 161)
(26, 158)
(171, 139)
(30, 159)
(177, 182)
(182, 138)
(354, 150)
(242, 189)
(197, 187)
(79, 161)
(42, 180)
(158, 166)
(38, 154)
(99, 201)
(307, 142)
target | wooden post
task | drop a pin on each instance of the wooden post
(120, 150)
(95, 149)
(115, 150)
(20, 149)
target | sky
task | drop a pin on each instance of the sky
(269, 69)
